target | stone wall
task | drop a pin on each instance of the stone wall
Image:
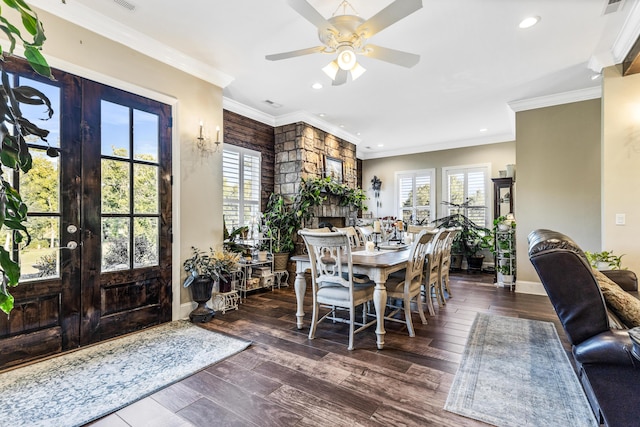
(300, 151)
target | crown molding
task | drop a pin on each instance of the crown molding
(249, 112)
(438, 146)
(114, 30)
(628, 35)
(556, 99)
(285, 119)
(315, 121)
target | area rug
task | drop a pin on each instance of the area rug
(76, 388)
(514, 372)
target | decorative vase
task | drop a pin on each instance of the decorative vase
(201, 293)
(225, 283)
(475, 262)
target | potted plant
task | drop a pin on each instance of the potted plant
(203, 270)
(505, 275)
(471, 240)
(604, 260)
(281, 223)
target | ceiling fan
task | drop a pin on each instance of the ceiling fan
(348, 35)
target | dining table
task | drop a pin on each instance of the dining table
(378, 265)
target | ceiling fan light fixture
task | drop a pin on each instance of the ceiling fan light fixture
(346, 58)
(331, 69)
(357, 71)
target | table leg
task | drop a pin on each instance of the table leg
(300, 285)
(380, 303)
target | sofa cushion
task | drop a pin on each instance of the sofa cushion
(623, 305)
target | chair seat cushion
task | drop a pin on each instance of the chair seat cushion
(339, 295)
(624, 305)
(395, 284)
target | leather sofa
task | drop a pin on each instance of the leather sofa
(607, 368)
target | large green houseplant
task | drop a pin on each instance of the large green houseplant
(14, 129)
(472, 239)
(283, 218)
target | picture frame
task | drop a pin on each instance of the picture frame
(333, 168)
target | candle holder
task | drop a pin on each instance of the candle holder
(376, 239)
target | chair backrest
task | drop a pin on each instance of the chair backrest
(570, 284)
(319, 230)
(351, 232)
(366, 233)
(417, 256)
(415, 229)
(445, 255)
(330, 256)
(434, 251)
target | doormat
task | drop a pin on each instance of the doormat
(78, 387)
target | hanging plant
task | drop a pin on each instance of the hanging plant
(14, 129)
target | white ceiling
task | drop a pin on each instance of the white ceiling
(476, 65)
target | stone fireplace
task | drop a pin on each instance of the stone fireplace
(300, 151)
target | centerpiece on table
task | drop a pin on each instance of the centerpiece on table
(204, 269)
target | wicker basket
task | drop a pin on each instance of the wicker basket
(280, 260)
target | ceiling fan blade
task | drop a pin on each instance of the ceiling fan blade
(294, 53)
(393, 56)
(312, 15)
(341, 77)
(389, 15)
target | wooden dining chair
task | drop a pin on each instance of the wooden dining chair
(431, 280)
(366, 233)
(445, 262)
(332, 280)
(351, 232)
(406, 285)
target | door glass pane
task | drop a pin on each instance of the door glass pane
(37, 114)
(145, 232)
(115, 186)
(114, 129)
(41, 259)
(115, 244)
(145, 189)
(40, 188)
(145, 136)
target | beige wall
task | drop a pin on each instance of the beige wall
(558, 176)
(197, 178)
(498, 155)
(621, 165)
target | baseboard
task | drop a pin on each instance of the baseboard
(188, 307)
(533, 288)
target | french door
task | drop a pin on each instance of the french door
(99, 263)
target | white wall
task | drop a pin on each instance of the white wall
(621, 165)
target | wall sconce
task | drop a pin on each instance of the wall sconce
(203, 142)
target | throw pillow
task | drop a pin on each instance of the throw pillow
(624, 306)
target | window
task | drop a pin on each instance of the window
(464, 184)
(240, 186)
(416, 196)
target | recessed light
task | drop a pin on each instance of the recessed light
(322, 114)
(342, 126)
(380, 145)
(595, 76)
(529, 22)
(317, 86)
(358, 134)
(484, 130)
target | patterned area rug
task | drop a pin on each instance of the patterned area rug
(514, 372)
(79, 387)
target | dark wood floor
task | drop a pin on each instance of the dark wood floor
(285, 379)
